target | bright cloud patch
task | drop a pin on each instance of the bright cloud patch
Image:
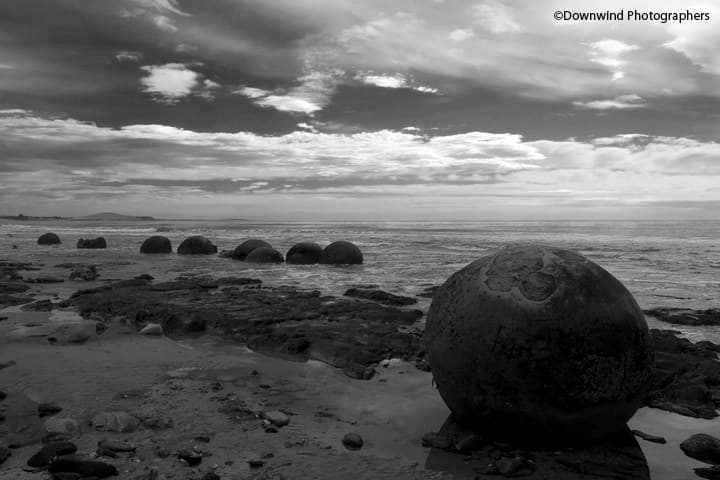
(495, 16)
(392, 81)
(169, 83)
(609, 53)
(622, 102)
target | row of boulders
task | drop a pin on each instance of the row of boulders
(259, 251)
(52, 239)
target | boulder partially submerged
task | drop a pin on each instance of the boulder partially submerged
(304, 253)
(48, 239)
(264, 255)
(98, 242)
(243, 250)
(341, 253)
(156, 244)
(196, 245)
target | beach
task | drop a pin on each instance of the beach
(208, 390)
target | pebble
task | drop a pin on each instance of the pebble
(276, 417)
(3, 395)
(105, 452)
(62, 425)
(210, 476)
(116, 445)
(648, 437)
(189, 457)
(255, 463)
(353, 441)
(154, 329)
(86, 468)
(469, 443)
(48, 409)
(50, 451)
(121, 422)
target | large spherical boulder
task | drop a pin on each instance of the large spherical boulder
(156, 244)
(48, 239)
(92, 243)
(196, 245)
(341, 253)
(243, 250)
(264, 255)
(304, 253)
(535, 341)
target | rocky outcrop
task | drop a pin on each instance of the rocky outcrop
(341, 253)
(48, 239)
(686, 376)
(703, 447)
(196, 245)
(87, 273)
(156, 244)
(264, 255)
(92, 243)
(243, 250)
(686, 316)
(304, 253)
(380, 297)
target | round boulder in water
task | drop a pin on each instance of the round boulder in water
(264, 255)
(341, 253)
(304, 253)
(48, 239)
(243, 250)
(92, 243)
(196, 245)
(156, 244)
(538, 342)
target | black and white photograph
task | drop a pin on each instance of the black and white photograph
(359, 240)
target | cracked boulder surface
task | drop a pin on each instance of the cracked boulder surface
(539, 340)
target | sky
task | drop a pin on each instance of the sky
(359, 110)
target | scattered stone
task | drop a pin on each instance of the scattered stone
(48, 239)
(52, 437)
(490, 346)
(86, 468)
(196, 245)
(152, 329)
(73, 333)
(710, 473)
(210, 476)
(105, 452)
(202, 439)
(243, 250)
(469, 443)
(648, 437)
(352, 441)
(116, 445)
(48, 409)
(87, 273)
(264, 255)
(703, 447)
(514, 467)
(277, 418)
(49, 451)
(9, 363)
(156, 244)
(256, 463)
(3, 395)
(304, 253)
(44, 280)
(144, 276)
(61, 426)
(436, 440)
(189, 457)
(380, 297)
(121, 422)
(341, 253)
(92, 243)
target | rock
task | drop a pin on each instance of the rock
(255, 463)
(341, 253)
(437, 440)
(304, 253)
(121, 422)
(210, 476)
(87, 273)
(86, 468)
(468, 443)
(39, 306)
(152, 329)
(277, 418)
(243, 250)
(514, 467)
(429, 292)
(69, 333)
(92, 243)
(352, 441)
(144, 276)
(264, 255)
(116, 445)
(686, 316)
(4, 454)
(156, 244)
(703, 447)
(189, 457)
(44, 457)
(540, 342)
(711, 473)
(52, 437)
(9, 363)
(648, 437)
(48, 239)
(3, 395)
(48, 409)
(64, 426)
(196, 245)
(380, 297)
(105, 452)
(66, 476)
(44, 280)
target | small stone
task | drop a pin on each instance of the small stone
(648, 437)
(514, 467)
(436, 440)
(277, 418)
(202, 439)
(86, 468)
(48, 409)
(154, 329)
(105, 452)
(3, 395)
(210, 476)
(62, 425)
(116, 445)
(352, 441)
(469, 443)
(52, 437)
(189, 457)
(50, 451)
(254, 373)
(256, 463)
(703, 447)
(121, 422)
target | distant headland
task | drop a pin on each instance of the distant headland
(103, 216)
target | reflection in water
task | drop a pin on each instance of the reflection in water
(617, 457)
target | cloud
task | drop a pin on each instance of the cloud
(5, 66)
(164, 23)
(392, 81)
(609, 53)
(461, 34)
(622, 102)
(495, 16)
(698, 40)
(169, 83)
(128, 56)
